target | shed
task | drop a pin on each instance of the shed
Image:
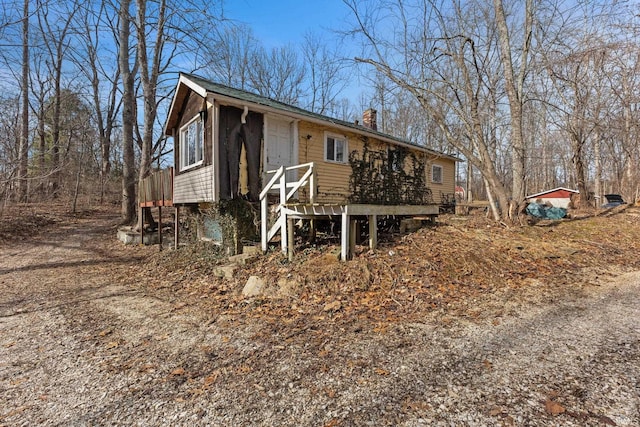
(558, 197)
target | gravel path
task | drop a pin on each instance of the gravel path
(82, 345)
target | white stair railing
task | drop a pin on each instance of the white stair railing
(286, 190)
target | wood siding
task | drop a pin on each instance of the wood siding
(195, 186)
(333, 178)
(193, 104)
(448, 178)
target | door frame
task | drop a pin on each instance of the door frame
(293, 131)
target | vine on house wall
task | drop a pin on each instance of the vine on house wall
(388, 177)
(235, 220)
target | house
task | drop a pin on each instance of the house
(230, 144)
(559, 197)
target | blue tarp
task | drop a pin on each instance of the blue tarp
(546, 212)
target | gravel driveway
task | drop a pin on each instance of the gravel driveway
(81, 344)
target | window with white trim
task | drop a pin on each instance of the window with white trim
(335, 148)
(436, 174)
(192, 143)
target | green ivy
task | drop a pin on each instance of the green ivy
(389, 177)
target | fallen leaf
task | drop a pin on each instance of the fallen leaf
(112, 344)
(553, 408)
(244, 369)
(105, 332)
(178, 371)
(333, 306)
(147, 368)
(333, 423)
(496, 410)
(211, 378)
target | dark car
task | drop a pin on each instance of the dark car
(613, 200)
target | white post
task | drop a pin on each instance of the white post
(264, 229)
(312, 184)
(344, 240)
(283, 215)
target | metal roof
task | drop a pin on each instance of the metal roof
(204, 86)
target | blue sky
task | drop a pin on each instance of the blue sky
(279, 22)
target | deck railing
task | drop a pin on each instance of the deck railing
(285, 191)
(156, 189)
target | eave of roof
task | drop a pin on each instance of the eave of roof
(551, 191)
(221, 92)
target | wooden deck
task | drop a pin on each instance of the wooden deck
(156, 191)
(348, 214)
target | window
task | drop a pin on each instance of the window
(335, 148)
(436, 174)
(191, 143)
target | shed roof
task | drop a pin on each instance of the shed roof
(532, 196)
(203, 87)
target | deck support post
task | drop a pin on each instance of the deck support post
(141, 214)
(283, 213)
(283, 230)
(353, 234)
(176, 229)
(312, 230)
(160, 226)
(290, 239)
(344, 238)
(263, 224)
(373, 231)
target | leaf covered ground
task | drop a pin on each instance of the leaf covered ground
(463, 266)
(467, 322)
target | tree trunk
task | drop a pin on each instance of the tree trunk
(128, 118)
(149, 72)
(24, 137)
(577, 146)
(514, 88)
(598, 166)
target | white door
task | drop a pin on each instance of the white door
(280, 149)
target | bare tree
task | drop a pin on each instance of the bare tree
(277, 74)
(325, 74)
(103, 76)
(514, 75)
(9, 146)
(128, 115)
(41, 89)
(446, 58)
(229, 58)
(576, 66)
(23, 157)
(56, 38)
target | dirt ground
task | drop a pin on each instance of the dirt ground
(467, 323)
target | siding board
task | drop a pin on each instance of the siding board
(333, 178)
(194, 187)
